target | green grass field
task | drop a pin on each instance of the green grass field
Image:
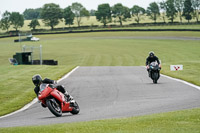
(95, 49)
(186, 121)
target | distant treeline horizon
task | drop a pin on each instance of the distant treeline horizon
(51, 14)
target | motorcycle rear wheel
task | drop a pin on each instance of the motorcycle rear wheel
(54, 107)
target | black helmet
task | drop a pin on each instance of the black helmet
(151, 54)
(37, 79)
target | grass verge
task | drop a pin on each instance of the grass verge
(186, 121)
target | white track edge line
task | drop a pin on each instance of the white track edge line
(35, 100)
(179, 80)
(182, 81)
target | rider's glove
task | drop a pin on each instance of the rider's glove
(54, 82)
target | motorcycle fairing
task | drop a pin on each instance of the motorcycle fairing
(60, 97)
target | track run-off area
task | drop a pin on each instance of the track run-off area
(112, 92)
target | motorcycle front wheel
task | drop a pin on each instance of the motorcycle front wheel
(155, 77)
(54, 107)
(155, 81)
(75, 109)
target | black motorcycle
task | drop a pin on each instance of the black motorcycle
(154, 71)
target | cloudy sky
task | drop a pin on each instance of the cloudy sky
(21, 5)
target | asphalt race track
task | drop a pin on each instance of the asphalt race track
(112, 92)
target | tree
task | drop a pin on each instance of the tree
(5, 21)
(39, 10)
(92, 12)
(79, 12)
(51, 14)
(17, 20)
(68, 16)
(196, 7)
(171, 10)
(153, 11)
(121, 13)
(30, 14)
(163, 8)
(103, 14)
(179, 4)
(137, 11)
(34, 23)
(188, 10)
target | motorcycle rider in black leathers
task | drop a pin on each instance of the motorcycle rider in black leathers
(37, 81)
(151, 58)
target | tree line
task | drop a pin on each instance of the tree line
(52, 14)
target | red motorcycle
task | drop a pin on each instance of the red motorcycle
(56, 101)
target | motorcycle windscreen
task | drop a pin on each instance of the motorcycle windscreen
(44, 91)
(42, 87)
(154, 64)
